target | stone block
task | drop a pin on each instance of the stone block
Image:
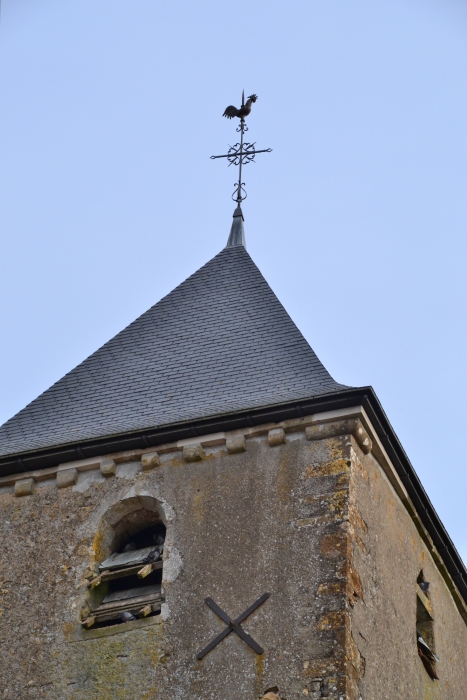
(337, 466)
(67, 477)
(362, 438)
(193, 453)
(150, 460)
(235, 444)
(108, 467)
(320, 668)
(331, 621)
(331, 588)
(351, 426)
(276, 437)
(335, 546)
(24, 487)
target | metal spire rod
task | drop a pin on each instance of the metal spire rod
(241, 153)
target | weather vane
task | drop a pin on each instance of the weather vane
(241, 153)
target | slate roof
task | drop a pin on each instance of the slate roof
(218, 343)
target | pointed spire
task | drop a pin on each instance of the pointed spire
(237, 232)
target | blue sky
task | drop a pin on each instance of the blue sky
(109, 111)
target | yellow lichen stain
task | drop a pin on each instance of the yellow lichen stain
(68, 628)
(333, 588)
(97, 553)
(259, 674)
(336, 499)
(108, 665)
(338, 503)
(336, 445)
(331, 621)
(336, 466)
(260, 664)
(343, 480)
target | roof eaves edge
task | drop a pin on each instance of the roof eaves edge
(157, 435)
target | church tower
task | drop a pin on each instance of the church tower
(199, 511)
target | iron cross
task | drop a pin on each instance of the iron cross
(241, 153)
(233, 626)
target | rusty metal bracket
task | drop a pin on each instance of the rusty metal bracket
(233, 626)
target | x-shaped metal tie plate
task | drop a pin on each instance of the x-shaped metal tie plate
(233, 626)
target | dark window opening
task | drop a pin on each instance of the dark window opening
(425, 627)
(129, 584)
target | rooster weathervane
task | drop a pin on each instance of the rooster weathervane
(241, 153)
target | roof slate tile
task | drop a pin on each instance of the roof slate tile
(220, 342)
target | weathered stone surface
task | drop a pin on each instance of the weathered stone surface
(235, 444)
(106, 668)
(230, 534)
(67, 477)
(335, 546)
(362, 437)
(351, 426)
(150, 460)
(340, 619)
(276, 437)
(385, 572)
(24, 487)
(193, 453)
(108, 467)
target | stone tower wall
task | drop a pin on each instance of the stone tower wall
(286, 509)
(390, 550)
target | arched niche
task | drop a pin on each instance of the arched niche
(124, 519)
(129, 543)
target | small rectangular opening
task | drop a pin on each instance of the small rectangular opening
(425, 628)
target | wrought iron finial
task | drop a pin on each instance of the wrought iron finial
(241, 153)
